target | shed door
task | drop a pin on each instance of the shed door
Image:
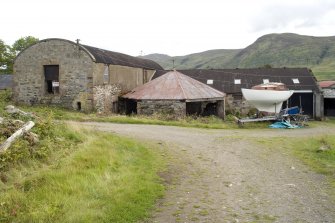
(306, 100)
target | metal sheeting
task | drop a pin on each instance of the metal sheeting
(223, 79)
(110, 57)
(175, 86)
(6, 81)
(327, 84)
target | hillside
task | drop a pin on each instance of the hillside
(277, 50)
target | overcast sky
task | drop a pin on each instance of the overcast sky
(173, 27)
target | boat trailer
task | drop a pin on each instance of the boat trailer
(293, 115)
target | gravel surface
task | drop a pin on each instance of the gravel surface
(225, 176)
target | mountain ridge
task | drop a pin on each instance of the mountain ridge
(275, 50)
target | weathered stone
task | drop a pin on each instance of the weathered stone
(78, 75)
(105, 96)
(164, 107)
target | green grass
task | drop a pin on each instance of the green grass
(76, 175)
(210, 122)
(106, 178)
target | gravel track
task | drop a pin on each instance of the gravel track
(225, 176)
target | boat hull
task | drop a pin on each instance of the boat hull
(266, 100)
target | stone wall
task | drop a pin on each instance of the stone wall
(75, 75)
(164, 107)
(237, 105)
(105, 98)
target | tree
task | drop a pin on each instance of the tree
(267, 66)
(5, 58)
(8, 54)
(23, 43)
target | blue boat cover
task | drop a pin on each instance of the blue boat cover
(283, 125)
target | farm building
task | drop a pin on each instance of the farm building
(65, 73)
(306, 91)
(328, 89)
(175, 93)
(6, 81)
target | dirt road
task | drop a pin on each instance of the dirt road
(224, 176)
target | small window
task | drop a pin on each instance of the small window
(209, 81)
(237, 81)
(266, 81)
(106, 75)
(51, 75)
(295, 80)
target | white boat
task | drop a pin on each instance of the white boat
(266, 97)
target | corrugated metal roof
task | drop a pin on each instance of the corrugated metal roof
(110, 57)
(224, 79)
(6, 81)
(174, 86)
(326, 84)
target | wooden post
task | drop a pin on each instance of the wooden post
(16, 134)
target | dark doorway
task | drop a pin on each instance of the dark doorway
(201, 108)
(79, 106)
(193, 108)
(131, 107)
(329, 104)
(51, 75)
(304, 101)
(210, 109)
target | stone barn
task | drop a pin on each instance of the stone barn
(307, 94)
(65, 73)
(177, 94)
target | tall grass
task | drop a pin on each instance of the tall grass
(75, 175)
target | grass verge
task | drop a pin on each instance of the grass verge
(210, 122)
(87, 176)
(316, 152)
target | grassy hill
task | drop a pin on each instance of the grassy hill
(277, 50)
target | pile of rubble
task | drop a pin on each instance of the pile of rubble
(12, 129)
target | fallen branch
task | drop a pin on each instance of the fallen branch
(16, 134)
(12, 110)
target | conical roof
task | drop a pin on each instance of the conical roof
(174, 86)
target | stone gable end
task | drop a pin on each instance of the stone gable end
(75, 75)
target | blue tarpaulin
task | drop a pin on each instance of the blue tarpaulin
(283, 125)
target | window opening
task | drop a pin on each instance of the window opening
(237, 81)
(295, 80)
(209, 81)
(106, 75)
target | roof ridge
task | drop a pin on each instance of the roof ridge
(179, 83)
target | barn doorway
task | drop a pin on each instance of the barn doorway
(193, 108)
(305, 101)
(329, 106)
(51, 75)
(201, 108)
(130, 107)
